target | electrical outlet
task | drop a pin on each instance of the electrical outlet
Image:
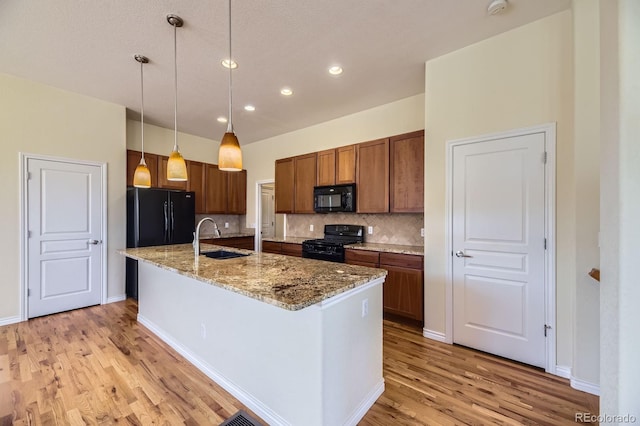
(311, 228)
(226, 224)
(365, 308)
(203, 331)
(370, 230)
(422, 232)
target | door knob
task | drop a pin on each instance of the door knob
(95, 242)
(460, 253)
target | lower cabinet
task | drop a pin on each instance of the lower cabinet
(236, 242)
(289, 249)
(403, 289)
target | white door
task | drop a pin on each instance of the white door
(498, 241)
(267, 213)
(64, 220)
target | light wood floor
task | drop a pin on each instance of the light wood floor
(98, 366)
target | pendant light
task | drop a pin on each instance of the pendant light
(142, 176)
(229, 154)
(176, 166)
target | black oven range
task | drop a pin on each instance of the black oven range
(331, 247)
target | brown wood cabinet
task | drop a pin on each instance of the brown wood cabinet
(326, 167)
(163, 182)
(289, 249)
(362, 258)
(284, 183)
(372, 177)
(346, 164)
(133, 159)
(403, 290)
(196, 183)
(246, 243)
(406, 165)
(304, 181)
(237, 192)
(216, 190)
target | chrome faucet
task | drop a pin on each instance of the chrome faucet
(196, 238)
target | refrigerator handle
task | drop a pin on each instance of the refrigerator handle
(166, 223)
(172, 222)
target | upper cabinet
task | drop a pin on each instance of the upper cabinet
(406, 182)
(337, 166)
(216, 191)
(295, 179)
(304, 181)
(372, 177)
(346, 164)
(133, 159)
(284, 185)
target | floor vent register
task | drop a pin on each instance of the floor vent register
(241, 418)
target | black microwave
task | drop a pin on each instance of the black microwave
(334, 198)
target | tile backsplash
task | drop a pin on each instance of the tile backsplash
(401, 229)
(236, 223)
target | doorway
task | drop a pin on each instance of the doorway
(63, 224)
(267, 222)
(501, 287)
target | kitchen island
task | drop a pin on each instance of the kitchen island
(298, 341)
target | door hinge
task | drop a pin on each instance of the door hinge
(28, 175)
(546, 327)
(545, 243)
(28, 234)
(28, 292)
(544, 158)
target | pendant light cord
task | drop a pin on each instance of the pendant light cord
(175, 86)
(230, 125)
(142, 105)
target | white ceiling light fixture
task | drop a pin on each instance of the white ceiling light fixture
(249, 108)
(497, 7)
(335, 70)
(142, 176)
(229, 153)
(176, 166)
(286, 91)
(222, 119)
(229, 63)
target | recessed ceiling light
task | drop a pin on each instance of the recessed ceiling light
(222, 119)
(335, 70)
(286, 91)
(229, 63)
(249, 108)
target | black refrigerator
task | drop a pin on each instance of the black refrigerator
(156, 217)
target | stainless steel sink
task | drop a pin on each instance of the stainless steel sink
(223, 254)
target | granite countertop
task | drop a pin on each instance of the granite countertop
(226, 235)
(291, 240)
(288, 282)
(388, 248)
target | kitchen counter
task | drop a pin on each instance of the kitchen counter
(298, 341)
(388, 248)
(290, 240)
(284, 281)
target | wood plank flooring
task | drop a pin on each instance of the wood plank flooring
(99, 366)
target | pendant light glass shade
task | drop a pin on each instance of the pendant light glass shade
(176, 166)
(229, 154)
(142, 176)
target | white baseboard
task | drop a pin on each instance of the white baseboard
(584, 386)
(366, 404)
(9, 320)
(247, 399)
(563, 371)
(434, 335)
(114, 299)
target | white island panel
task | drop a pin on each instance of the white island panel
(321, 365)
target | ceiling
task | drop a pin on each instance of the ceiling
(87, 47)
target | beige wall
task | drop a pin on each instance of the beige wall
(38, 119)
(586, 341)
(521, 78)
(620, 201)
(395, 118)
